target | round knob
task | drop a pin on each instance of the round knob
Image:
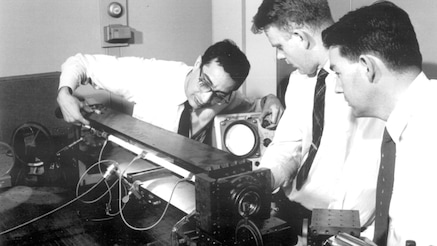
(267, 142)
(115, 9)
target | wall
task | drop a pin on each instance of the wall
(233, 19)
(37, 36)
(171, 29)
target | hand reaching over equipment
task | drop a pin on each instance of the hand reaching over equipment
(71, 107)
(272, 111)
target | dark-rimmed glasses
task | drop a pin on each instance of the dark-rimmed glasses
(205, 85)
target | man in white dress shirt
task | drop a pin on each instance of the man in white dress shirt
(376, 56)
(159, 88)
(344, 169)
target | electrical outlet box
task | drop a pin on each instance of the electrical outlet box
(114, 29)
(117, 34)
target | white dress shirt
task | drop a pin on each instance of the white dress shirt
(413, 127)
(155, 86)
(344, 172)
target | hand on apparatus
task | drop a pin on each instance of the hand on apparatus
(71, 107)
(272, 111)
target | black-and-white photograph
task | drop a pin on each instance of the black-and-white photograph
(218, 122)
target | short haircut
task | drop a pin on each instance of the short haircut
(381, 29)
(231, 58)
(282, 14)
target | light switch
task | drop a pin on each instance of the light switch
(115, 31)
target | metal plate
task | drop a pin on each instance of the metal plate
(189, 154)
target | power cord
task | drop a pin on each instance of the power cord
(105, 175)
(165, 209)
(50, 212)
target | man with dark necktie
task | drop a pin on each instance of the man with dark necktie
(316, 157)
(162, 90)
(375, 53)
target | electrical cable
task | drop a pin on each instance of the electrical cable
(101, 172)
(78, 197)
(165, 209)
(108, 172)
(83, 176)
(99, 161)
(100, 158)
(109, 188)
(50, 212)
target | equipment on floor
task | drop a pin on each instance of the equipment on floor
(34, 150)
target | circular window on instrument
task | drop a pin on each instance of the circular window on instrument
(241, 139)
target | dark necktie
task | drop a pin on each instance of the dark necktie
(384, 189)
(318, 118)
(185, 120)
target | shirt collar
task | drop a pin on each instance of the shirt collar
(182, 97)
(404, 109)
(327, 67)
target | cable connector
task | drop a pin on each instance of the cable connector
(133, 189)
(110, 170)
(142, 155)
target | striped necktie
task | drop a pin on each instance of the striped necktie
(384, 189)
(318, 119)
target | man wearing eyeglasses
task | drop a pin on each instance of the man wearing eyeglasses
(161, 90)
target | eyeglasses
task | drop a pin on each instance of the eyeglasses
(205, 85)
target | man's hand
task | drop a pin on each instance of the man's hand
(71, 107)
(272, 111)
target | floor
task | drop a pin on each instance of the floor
(79, 223)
